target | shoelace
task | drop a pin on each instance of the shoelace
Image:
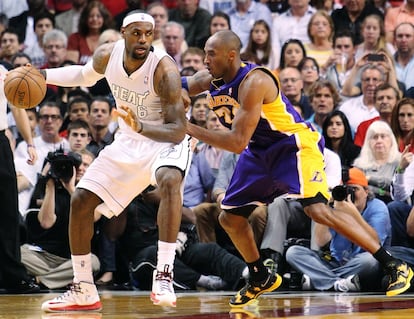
(74, 288)
(164, 279)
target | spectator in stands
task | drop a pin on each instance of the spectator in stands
(309, 70)
(401, 208)
(351, 16)
(346, 267)
(396, 15)
(47, 255)
(260, 45)
(386, 97)
(362, 108)
(292, 87)
(68, 21)
(49, 140)
(195, 21)
(43, 22)
(10, 44)
(404, 56)
(336, 69)
(379, 158)
(193, 57)
(244, 14)
(214, 6)
(99, 119)
(324, 99)
(94, 19)
(292, 24)
(373, 35)
(172, 36)
(219, 21)
(131, 6)
(402, 123)
(291, 54)
(320, 32)
(338, 138)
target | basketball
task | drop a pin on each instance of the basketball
(24, 87)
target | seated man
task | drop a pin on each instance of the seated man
(47, 254)
(347, 267)
(204, 265)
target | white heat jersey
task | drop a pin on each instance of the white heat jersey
(136, 90)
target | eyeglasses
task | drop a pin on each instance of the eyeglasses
(293, 80)
(53, 117)
(373, 80)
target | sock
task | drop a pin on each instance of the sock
(165, 255)
(82, 268)
(383, 256)
(258, 272)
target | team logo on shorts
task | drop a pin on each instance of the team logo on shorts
(317, 177)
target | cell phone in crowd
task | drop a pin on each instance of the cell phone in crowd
(375, 57)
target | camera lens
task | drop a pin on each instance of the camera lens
(339, 192)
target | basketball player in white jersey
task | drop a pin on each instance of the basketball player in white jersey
(150, 148)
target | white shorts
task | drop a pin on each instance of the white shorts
(126, 167)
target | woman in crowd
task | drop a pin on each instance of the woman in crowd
(291, 54)
(402, 123)
(309, 70)
(379, 158)
(373, 33)
(338, 138)
(260, 45)
(94, 19)
(320, 32)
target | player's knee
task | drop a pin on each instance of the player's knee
(318, 212)
(169, 179)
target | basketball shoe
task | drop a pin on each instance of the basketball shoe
(400, 275)
(82, 296)
(252, 290)
(162, 288)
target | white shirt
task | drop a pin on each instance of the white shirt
(356, 111)
(3, 100)
(403, 184)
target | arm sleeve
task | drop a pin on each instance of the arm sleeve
(73, 75)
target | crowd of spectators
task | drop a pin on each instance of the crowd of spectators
(346, 66)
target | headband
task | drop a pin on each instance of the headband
(138, 17)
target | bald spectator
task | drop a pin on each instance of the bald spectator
(195, 20)
(292, 87)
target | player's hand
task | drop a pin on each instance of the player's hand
(130, 118)
(31, 151)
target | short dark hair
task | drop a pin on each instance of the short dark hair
(73, 125)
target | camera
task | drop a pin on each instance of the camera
(62, 163)
(375, 57)
(341, 192)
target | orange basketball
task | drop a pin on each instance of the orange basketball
(24, 87)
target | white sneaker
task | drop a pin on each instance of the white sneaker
(350, 283)
(81, 296)
(306, 283)
(162, 288)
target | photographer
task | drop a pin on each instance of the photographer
(346, 267)
(47, 254)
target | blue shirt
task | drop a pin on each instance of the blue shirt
(377, 216)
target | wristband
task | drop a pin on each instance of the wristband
(184, 82)
(30, 145)
(142, 127)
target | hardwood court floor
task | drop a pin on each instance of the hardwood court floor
(201, 305)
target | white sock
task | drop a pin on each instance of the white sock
(82, 268)
(165, 255)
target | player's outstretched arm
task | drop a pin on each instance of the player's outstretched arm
(81, 75)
